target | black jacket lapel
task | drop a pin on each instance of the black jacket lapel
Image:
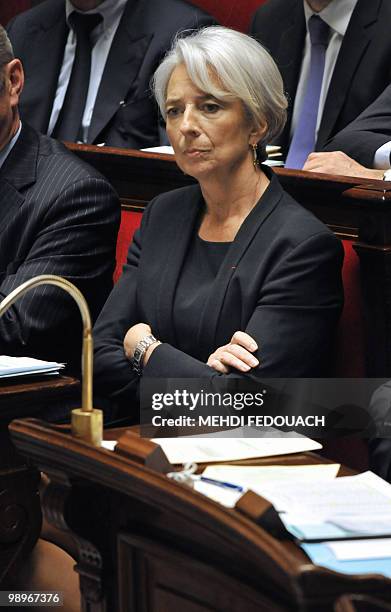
(17, 172)
(124, 61)
(357, 38)
(289, 57)
(20, 167)
(182, 232)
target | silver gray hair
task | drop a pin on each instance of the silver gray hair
(244, 69)
(6, 53)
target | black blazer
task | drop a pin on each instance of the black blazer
(280, 282)
(363, 67)
(125, 114)
(366, 134)
(57, 216)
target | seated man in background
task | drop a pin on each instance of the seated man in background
(361, 149)
(334, 56)
(58, 216)
(88, 64)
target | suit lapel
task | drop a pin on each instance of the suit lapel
(289, 57)
(18, 171)
(357, 38)
(10, 202)
(182, 232)
(48, 41)
(127, 51)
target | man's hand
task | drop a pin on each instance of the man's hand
(339, 163)
(237, 354)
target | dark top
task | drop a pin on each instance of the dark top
(195, 285)
(280, 282)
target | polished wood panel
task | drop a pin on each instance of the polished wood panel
(147, 543)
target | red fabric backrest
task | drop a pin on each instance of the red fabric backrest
(350, 355)
(10, 9)
(231, 13)
(129, 223)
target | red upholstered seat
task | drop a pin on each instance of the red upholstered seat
(349, 357)
(350, 353)
(129, 223)
(231, 13)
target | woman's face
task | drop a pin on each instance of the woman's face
(208, 135)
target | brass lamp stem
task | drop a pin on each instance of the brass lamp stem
(87, 423)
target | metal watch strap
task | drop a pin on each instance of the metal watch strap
(139, 352)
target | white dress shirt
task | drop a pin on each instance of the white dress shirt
(102, 38)
(337, 16)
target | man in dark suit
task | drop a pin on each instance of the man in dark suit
(128, 39)
(58, 216)
(357, 64)
(362, 148)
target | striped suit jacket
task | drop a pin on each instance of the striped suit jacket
(57, 216)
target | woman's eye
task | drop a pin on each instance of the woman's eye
(172, 112)
(210, 107)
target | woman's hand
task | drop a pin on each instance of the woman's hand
(237, 354)
(132, 338)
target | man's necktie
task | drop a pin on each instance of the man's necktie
(68, 125)
(303, 141)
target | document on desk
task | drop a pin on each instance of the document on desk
(351, 550)
(215, 449)
(349, 507)
(27, 366)
(255, 477)
(322, 554)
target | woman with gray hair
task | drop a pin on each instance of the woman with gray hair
(229, 276)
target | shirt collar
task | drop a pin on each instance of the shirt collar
(111, 10)
(337, 14)
(10, 145)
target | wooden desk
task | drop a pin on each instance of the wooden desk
(149, 544)
(20, 510)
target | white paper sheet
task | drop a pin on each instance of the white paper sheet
(216, 449)
(25, 366)
(343, 497)
(255, 477)
(352, 550)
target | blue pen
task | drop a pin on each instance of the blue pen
(220, 483)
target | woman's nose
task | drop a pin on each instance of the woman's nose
(189, 122)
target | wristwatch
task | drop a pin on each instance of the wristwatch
(387, 175)
(139, 352)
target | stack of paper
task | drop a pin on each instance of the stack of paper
(27, 366)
